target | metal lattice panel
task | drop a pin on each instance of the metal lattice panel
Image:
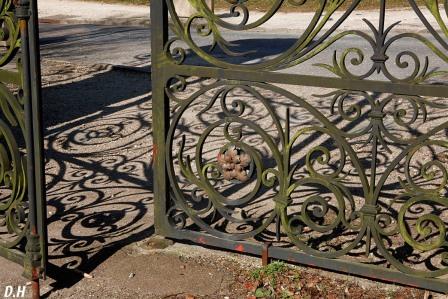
(331, 145)
(22, 231)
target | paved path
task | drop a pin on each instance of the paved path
(123, 45)
(72, 11)
(80, 12)
(130, 46)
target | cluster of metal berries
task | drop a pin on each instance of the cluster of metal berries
(234, 163)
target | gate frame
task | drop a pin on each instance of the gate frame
(163, 70)
(34, 259)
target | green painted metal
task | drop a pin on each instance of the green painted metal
(400, 225)
(22, 203)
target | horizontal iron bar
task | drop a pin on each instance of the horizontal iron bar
(207, 240)
(13, 255)
(307, 80)
(294, 256)
(360, 269)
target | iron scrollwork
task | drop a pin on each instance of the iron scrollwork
(343, 174)
(13, 202)
(332, 209)
(317, 38)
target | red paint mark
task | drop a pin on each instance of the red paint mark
(154, 151)
(202, 240)
(239, 248)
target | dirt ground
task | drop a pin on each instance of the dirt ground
(100, 203)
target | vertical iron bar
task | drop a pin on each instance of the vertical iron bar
(278, 227)
(373, 163)
(382, 16)
(32, 247)
(36, 99)
(159, 37)
(265, 254)
(373, 166)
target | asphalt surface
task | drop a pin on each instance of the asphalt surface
(130, 46)
(96, 44)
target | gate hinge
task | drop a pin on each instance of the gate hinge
(22, 9)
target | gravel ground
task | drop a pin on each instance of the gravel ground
(99, 179)
(98, 142)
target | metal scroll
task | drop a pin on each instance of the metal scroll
(330, 144)
(22, 208)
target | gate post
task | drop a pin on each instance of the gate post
(33, 255)
(159, 37)
(38, 139)
(22, 207)
(35, 250)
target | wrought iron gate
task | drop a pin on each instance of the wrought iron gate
(22, 204)
(328, 142)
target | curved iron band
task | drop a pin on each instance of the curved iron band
(309, 44)
(12, 162)
(283, 174)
